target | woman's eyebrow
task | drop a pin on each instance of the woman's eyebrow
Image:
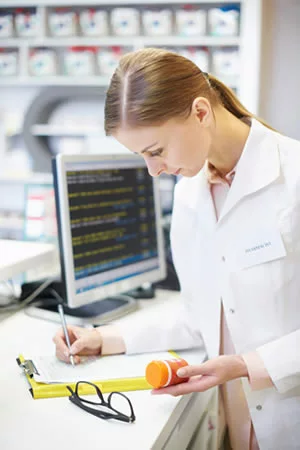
(147, 148)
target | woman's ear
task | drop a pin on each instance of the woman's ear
(202, 109)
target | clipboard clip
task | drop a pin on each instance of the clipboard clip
(28, 366)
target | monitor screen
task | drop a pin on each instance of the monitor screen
(109, 225)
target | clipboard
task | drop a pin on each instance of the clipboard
(52, 390)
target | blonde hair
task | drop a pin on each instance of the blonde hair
(151, 86)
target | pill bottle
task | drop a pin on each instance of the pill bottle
(162, 373)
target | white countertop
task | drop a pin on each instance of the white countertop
(19, 256)
(49, 424)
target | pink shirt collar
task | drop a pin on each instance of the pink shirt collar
(215, 177)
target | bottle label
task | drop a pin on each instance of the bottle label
(173, 365)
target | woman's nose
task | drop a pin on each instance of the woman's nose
(155, 168)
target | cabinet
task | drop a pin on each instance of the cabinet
(197, 427)
(62, 47)
(71, 80)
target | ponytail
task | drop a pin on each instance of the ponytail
(230, 101)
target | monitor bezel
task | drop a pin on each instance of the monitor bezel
(73, 298)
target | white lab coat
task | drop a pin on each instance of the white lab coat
(250, 259)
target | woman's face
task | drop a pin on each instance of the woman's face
(179, 146)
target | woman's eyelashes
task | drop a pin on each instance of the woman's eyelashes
(157, 152)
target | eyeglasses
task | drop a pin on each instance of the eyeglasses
(117, 406)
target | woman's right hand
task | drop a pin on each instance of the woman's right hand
(84, 341)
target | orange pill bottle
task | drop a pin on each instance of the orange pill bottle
(162, 373)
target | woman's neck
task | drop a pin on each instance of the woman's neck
(229, 138)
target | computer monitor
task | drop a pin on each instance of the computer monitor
(109, 228)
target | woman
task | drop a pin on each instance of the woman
(235, 241)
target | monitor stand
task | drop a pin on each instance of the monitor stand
(94, 314)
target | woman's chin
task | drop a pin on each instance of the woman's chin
(189, 173)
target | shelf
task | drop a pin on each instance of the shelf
(13, 42)
(59, 3)
(204, 41)
(247, 43)
(58, 130)
(142, 41)
(31, 178)
(59, 80)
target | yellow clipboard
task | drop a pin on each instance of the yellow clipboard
(45, 390)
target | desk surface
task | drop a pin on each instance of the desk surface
(49, 424)
(18, 256)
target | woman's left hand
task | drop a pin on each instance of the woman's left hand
(207, 375)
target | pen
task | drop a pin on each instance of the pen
(64, 325)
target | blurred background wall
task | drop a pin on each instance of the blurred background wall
(280, 66)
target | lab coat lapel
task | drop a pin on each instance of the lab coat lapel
(258, 166)
(205, 255)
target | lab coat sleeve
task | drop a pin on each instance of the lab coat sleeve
(169, 330)
(172, 328)
(281, 358)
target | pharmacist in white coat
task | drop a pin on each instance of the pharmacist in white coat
(235, 241)
(249, 260)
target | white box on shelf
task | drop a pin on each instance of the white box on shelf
(42, 62)
(226, 65)
(125, 21)
(79, 62)
(223, 21)
(6, 25)
(62, 23)
(199, 56)
(40, 216)
(157, 23)
(8, 63)
(94, 22)
(26, 24)
(108, 60)
(190, 22)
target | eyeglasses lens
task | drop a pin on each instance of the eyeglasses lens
(120, 403)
